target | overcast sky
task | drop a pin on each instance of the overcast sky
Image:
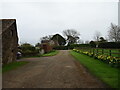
(36, 19)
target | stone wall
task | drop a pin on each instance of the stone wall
(9, 40)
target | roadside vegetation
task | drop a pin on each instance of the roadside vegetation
(95, 53)
(13, 65)
(52, 53)
(103, 71)
(28, 50)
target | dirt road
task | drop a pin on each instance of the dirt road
(60, 71)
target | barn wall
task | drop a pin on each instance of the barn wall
(9, 44)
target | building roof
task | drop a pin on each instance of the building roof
(5, 23)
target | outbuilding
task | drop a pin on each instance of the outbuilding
(9, 38)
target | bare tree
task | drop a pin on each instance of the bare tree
(72, 36)
(80, 41)
(114, 33)
(97, 36)
(102, 39)
(46, 38)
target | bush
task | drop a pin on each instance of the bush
(28, 50)
(78, 45)
(92, 44)
(72, 46)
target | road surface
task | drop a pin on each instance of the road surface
(60, 71)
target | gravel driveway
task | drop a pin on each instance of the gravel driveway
(60, 71)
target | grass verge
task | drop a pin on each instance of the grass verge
(100, 69)
(13, 65)
(52, 53)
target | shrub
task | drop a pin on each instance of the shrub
(28, 50)
(92, 44)
(79, 45)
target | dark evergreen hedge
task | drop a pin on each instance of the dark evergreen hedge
(70, 46)
(61, 48)
(115, 45)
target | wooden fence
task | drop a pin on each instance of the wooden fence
(101, 51)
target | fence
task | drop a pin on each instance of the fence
(100, 51)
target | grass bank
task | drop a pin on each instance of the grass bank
(52, 53)
(99, 69)
(13, 65)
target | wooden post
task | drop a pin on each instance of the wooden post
(93, 51)
(97, 51)
(110, 52)
(102, 51)
(118, 52)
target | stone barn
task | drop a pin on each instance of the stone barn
(9, 40)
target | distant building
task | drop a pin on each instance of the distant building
(47, 45)
(9, 40)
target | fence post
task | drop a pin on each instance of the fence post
(110, 52)
(118, 52)
(97, 51)
(102, 51)
(93, 51)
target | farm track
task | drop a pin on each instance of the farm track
(60, 71)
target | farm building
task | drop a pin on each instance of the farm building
(9, 40)
(47, 45)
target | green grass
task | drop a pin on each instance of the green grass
(13, 65)
(106, 51)
(103, 71)
(52, 53)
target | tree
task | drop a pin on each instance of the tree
(92, 44)
(72, 36)
(97, 35)
(80, 41)
(102, 39)
(45, 38)
(114, 33)
(58, 39)
(37, 45)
